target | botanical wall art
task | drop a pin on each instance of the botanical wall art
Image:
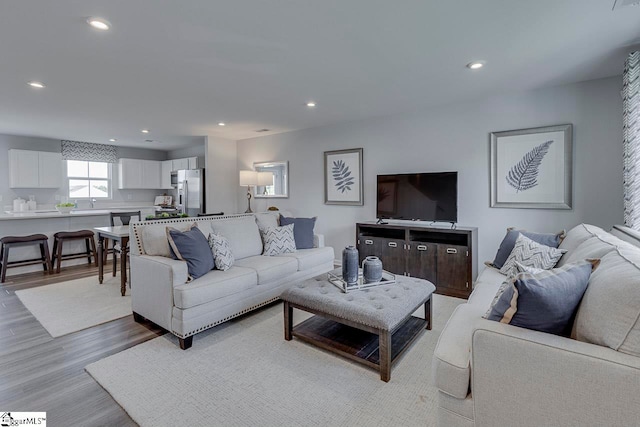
(343, 177)
(531, 168)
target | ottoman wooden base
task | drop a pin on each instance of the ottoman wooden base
(373, 347)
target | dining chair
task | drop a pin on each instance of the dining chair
(118, 218)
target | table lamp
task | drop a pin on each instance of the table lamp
(248, 178)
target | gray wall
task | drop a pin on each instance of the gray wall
(456, 138)
(47, 196)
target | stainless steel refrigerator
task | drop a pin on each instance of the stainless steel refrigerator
(191, 191)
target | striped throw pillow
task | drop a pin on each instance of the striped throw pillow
(530, 254)
(278, 240)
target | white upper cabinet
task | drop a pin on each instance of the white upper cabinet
(193, 162)
(165, 174)
(180, 164)
(139, 174)
(34, 169)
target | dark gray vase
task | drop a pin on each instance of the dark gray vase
(350, 265)
(372, 269)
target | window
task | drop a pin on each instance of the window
(89, 179)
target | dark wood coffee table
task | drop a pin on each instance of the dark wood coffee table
(372, 326)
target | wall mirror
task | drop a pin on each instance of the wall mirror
(273, 179)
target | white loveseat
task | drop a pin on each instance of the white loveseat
(491, 374)
(161, 291)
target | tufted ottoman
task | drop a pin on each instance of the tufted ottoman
(372, 326)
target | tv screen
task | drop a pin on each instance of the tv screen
(418, 196)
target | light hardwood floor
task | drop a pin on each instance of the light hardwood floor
(40, 373)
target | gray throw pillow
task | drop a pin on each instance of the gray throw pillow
(221, 251)
(302, 230)
(191, 246)
(552, 240)
(545, 301)
(278, 240)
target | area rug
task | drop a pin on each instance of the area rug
(78, 304)
(243, 373)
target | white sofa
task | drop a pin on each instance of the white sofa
(491, 374)
(162, 293)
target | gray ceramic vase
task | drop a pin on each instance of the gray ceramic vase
(350, 265)
(372, 269)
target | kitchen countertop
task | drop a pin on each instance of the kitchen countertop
(53, 213)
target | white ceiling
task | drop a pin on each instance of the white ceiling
(180, 67)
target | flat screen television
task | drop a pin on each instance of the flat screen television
(418, 196)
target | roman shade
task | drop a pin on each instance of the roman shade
(86, 151)
(631, 133)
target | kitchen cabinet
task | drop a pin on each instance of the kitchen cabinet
(180, 164)
(34, 169)
(193, 163)
(165, 174)
(139, 174)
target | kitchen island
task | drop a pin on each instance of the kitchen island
(49, 222)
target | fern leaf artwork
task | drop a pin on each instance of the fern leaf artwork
(524, 174)
(342, 178)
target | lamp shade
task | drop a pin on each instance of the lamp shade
(248, 178)
(265, 178)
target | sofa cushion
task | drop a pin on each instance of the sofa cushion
(451, 367)
(191, 246)
(530, 254)
(154, 238)
(269, 268)
(302, 230)
(575, 237)
(485, 287)
(610, 309)
(243, 235)
(509, 241)
(278, 240)
(544, 301)
(311, 258)
(221, 251)
(214, 285)
(267, 219)
(594, 247)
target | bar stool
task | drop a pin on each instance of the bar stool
(8, 242)
(63, 236)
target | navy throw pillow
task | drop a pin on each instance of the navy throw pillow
(191, 246)
(509, 241)
(302, 230)
(546, 301)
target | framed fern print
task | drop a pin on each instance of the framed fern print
(343, 177)
(532, 168)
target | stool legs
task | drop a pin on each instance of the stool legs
(21, 241)
(90, 251)
(46, 258)
(5, 259)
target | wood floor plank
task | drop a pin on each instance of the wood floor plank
(41, 373)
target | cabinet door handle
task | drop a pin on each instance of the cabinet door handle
(452, 251)
(393, 245)
(368, 242)
(421, 247)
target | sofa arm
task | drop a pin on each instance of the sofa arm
(318, 240)
(153, 279)
(528, 378)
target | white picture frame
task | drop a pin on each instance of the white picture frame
(532, 168)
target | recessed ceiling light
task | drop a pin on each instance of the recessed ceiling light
(311, 104)
(99, 23)
(112, 140)
(145, 131)
(38, 85)
(475, 65)
(222, 124)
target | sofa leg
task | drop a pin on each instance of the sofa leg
(137, 318)
(186, 343)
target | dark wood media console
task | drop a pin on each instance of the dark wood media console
(444, 256)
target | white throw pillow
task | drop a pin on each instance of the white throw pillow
(278, 240)
(531, 254)
(221, 250)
